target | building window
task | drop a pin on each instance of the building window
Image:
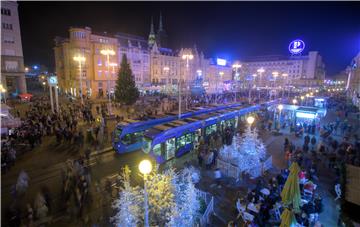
(11, 65)
(7, 26)
(9, 39)
(99, 62)
(99, 73)
(100, 84)
(9, 52)
(5, 11)
(79, 35)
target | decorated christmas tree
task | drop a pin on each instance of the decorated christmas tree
(187, 204)
(129, 206)
(172, 199)
(125, 91)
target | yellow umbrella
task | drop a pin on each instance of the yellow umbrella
(287, 218)
(290, 194)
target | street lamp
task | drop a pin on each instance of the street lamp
(275, 75)
(294, 101)
(280, 107)
(302, 99)
(186, 57)
(217, 81)
(250, 87)
(167, 69)
(260, 71)
(236, 66)
(285, 75)
(80, 59)
(145, 168)
(250, 120)
(107, 53)
(113, 65)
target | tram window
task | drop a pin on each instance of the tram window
(189, 138)
(170, 144)
(147, 145)
(181, 141)
(117, 134)
(210, 129)
(157, 149)
(132, 138)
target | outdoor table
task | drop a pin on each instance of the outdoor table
(252, 207)
(265, 191)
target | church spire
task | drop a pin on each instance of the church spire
(152, 26)
(160, 23)
(152, 38)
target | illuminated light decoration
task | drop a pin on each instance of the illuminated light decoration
(305, 115)
(220, 61)
(297, 46)
(35, 67)
(199, 72)
(206, 84)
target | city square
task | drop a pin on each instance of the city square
(180, 114)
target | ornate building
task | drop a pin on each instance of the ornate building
(97, 76)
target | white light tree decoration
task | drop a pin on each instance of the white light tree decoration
(129, 205)
(187, 204)
(172, 200)
(246, 152)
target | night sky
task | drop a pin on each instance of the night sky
(233, 30)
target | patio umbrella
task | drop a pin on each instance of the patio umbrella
(290, 194)
(287, 218)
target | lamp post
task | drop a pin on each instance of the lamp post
(302, 99)
(250, 87)
(113, 65)
(3, 91)
(260, 71)
(145, 168)
(220, 76)
(280, 107)
(80, 59)
(107, 53)
(167, 70)
(307, 98)
(285, 76)
(237, 75)
(275, 75)
(186, 57)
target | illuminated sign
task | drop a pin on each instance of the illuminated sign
(305, 115)
(206, 84)
(220, 61)
(297, 46)
(53, 80)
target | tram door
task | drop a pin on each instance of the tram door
(170, 148)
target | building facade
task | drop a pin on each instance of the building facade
(353, 82)
(12, 60)
(137, 52)
(299, 71)
(98, 77)
(218, 78)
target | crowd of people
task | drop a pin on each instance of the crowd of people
(262, 206)
(38, 123)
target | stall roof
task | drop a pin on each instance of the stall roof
(308, 109)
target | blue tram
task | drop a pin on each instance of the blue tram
(128, 135)
(173, 139)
